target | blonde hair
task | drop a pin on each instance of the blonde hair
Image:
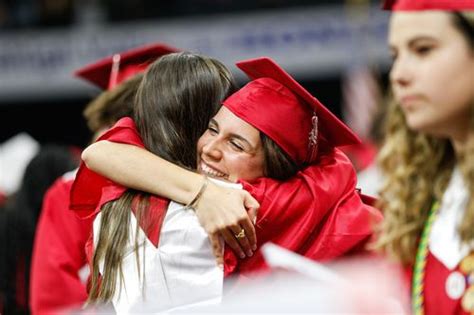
(417, 169)
(110, 106)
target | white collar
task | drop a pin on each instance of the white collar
(444, 242)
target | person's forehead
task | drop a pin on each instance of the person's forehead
(408, 25)
(229, 122)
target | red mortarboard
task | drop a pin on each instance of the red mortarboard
(108, 72)
(420, 5)
(281, 108)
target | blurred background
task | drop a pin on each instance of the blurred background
(335, 48)
(323, 43)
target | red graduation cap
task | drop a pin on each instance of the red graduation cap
(110, 71)
(420, 5)
(286, 112)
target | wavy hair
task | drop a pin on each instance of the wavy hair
(417, 169)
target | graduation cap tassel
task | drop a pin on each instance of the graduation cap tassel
(114, 71)
(313, 139)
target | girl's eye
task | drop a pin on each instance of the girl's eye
(237, 146)
(212, 130)
(423, 50)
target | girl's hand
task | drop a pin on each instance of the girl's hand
(226, 212)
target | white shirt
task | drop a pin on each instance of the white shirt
(182, 271)
(444, 242)
(370, 180)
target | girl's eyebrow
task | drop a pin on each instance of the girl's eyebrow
(214, 122)
(414, 41)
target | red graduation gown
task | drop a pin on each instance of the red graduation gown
(436, 298)
(318, 213)
(58, 253)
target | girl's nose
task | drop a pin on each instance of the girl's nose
(212, 149)
(401, 73)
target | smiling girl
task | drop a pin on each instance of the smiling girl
(287, 159)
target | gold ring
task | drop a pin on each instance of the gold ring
(241, 234)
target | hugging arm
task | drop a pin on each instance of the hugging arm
(221, 211)
(317, 213)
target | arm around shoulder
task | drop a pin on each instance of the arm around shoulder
(137, 168)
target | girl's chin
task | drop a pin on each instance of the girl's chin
(427, 129)
(418, 123)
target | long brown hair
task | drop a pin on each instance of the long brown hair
(177, 97)
(417, 169)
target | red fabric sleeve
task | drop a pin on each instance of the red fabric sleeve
(318, 213)
(91, 190)
(58, 253)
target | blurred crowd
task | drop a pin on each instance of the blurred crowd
(63, 13)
